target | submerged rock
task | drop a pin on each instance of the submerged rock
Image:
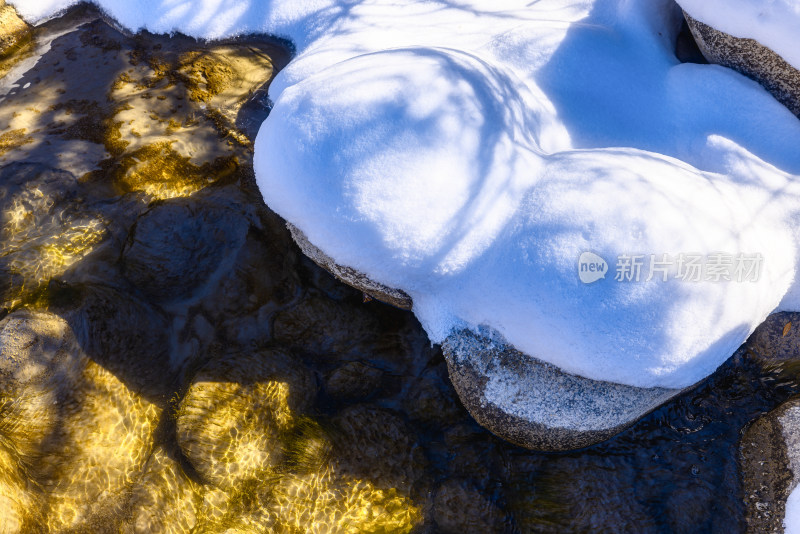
(775, 344)
(267, 466)
(128, 336)
(154, 384)
(752, 59)
(353, 380)
(459, 508)
(233, 420)
(46, 228)
(165, 498)
(181, 244)
(77, 431)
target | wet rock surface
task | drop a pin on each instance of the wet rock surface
(154, 383)
(770, 445)
(770, 456)
(752, 59)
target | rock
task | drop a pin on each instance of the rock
(536, 405)
(363, 481)
(13, 30)
(348, 275)
(776, 342)
(147, 114)
(40, 363)
(332, 502)
(459, 508)
(431, 400)
(32, 346)
(46, 229)
(474, 454)
(77, 431)
(519, 398)
(234, 419)
(770, 461)
(273, 470)
(132, 119)
(164, 499)
(322, 327)
(260, 283)
(180, 245)
(377, 445)
(124, 334)
(752, 59)
(353, 380)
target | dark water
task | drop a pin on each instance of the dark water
(210, 275)
(675, 470)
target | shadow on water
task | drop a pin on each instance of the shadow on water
(226, 369)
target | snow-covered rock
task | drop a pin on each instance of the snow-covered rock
(773, 23)
(468, 154)
(791, 519)
(752, 59)
(472, 177)
(348, 275)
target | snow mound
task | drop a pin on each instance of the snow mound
(470, 153)
(773, 23)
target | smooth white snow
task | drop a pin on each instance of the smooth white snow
(773, 23)
(469, 152)
(791, 520)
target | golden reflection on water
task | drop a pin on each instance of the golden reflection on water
(107, 435)
(233, 420)
(163, 125)
(327, 502)
(15, 502)
(243, 428)
(161, 173)
(164, 499)
(83, 448)
(75, 431)
(80, 449)
(32, 258)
